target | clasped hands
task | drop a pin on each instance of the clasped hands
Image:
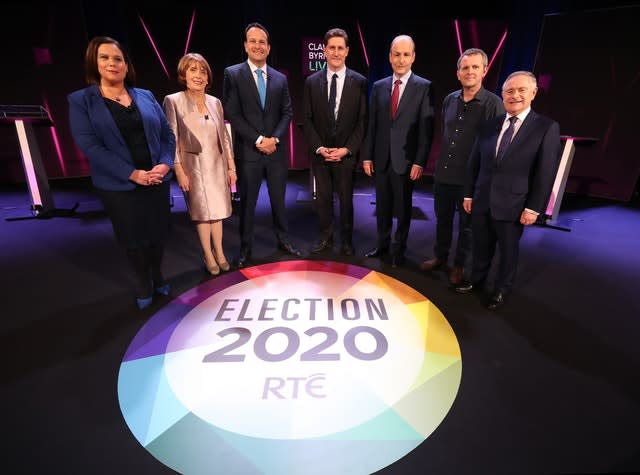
(334, 154)
(150, 177)
(267, 145)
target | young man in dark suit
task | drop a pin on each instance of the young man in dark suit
(258, 106)
(509, 178)
(399, 133)
(335, 110)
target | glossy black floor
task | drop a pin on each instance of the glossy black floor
(549, 383)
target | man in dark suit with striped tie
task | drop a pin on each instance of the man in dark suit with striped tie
(399, 133)
(335, 110)
(509, 178)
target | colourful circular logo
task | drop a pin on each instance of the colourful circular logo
(296, 367)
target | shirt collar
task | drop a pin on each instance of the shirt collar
(404, 78)
(254, 67)
(521, 116)
(341, 73)
(480, 96)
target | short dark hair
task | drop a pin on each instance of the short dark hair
(336, 32)
(186, 61)
(255, 24)
(92, 75)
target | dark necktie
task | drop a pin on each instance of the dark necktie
(262, 87)
(332, 104)
(395, 96)
(506, 138)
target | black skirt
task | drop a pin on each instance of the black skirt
(140, 217)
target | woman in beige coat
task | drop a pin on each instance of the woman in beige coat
(204, 164)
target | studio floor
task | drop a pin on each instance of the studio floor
(549, 382)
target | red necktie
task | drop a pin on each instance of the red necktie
(395, 96)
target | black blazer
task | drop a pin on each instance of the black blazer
(352, 112)
(244, 112)
(524, 176)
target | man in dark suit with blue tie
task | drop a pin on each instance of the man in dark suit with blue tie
(335, 112)
(257, 104)
(509, 178)
(399, 133)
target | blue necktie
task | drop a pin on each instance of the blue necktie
(506, 138)
(262, 88)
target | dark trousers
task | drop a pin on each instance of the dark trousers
(447, 200)
(393, 196)
(250, 178)
(140, 220)
(487, 233)
(334, 177)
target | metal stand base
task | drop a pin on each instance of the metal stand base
(38, 213)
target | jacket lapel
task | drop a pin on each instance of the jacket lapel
(345, 88)
(524, 130)
(211, 107)
(103, 115)
(252, 85)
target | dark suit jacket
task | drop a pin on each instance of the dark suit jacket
(98, 137)
(407, 139)
(247, 118)
(524, 176)
(352, 112)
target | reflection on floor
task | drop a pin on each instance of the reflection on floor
(549, 382)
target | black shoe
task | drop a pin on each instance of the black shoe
(496, 300)
(323, 245)
(289, 249)
(243, 259)
(377, 252)
(466, 287)
(397, 260)
(347, 249)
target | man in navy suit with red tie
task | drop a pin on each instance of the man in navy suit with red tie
(399, 133)
(509, 178)
(258, 106)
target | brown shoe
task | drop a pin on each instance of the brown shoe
(456, 276)
(431, 264)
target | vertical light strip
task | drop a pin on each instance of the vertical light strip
(457, 27)
(27, 159)
(193, 18)
(495, 53)
(291, 154)
(154, 46)
(364, 48)
(54, 135)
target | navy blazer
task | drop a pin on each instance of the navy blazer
(244, 112)
(352, 112)
(98, 137)
(525, 174)
(407, 139)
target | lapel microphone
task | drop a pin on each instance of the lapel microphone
(206, 117)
